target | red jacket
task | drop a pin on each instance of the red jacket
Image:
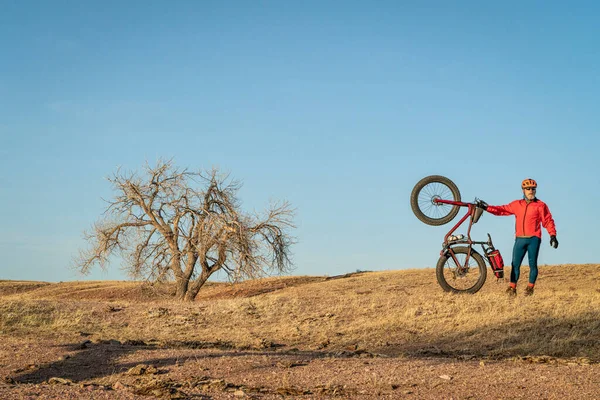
(529, 216)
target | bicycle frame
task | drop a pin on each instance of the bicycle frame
(447, 246)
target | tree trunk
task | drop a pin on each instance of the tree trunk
(181, 284)
(196, 285)
(182, 280)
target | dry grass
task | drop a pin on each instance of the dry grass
(399, 313)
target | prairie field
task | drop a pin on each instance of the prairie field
(389, 334)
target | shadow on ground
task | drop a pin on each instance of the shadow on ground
(567, 337)
(99, 360)
(572, 337)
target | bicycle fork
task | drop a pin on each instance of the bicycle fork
(460, 268)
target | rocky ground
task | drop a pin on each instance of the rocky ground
(199, 370)
(389, 334)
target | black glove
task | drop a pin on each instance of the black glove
(482, 204)
(553, 241)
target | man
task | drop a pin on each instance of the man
(530, 212)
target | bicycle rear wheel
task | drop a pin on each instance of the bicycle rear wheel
(462, 278)
(426, 191)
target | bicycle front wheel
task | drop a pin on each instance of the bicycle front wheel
(429, 189)
(462, 277)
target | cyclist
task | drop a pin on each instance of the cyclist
(530, 212)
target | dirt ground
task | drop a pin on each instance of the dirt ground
(79, 368)
(391, 334)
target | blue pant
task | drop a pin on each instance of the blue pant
(531, 246)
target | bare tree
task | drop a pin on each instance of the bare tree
(175, 224)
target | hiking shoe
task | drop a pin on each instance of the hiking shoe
(528, 291)
(511, 291)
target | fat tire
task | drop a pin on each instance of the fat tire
(414, 200)
(441, 264)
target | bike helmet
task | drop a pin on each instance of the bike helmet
(528, 183)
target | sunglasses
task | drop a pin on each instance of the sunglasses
(529, 188)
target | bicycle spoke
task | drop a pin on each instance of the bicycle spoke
(462, 276)
(424, 196)
(433, 191)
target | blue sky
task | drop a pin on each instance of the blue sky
(338, 107)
